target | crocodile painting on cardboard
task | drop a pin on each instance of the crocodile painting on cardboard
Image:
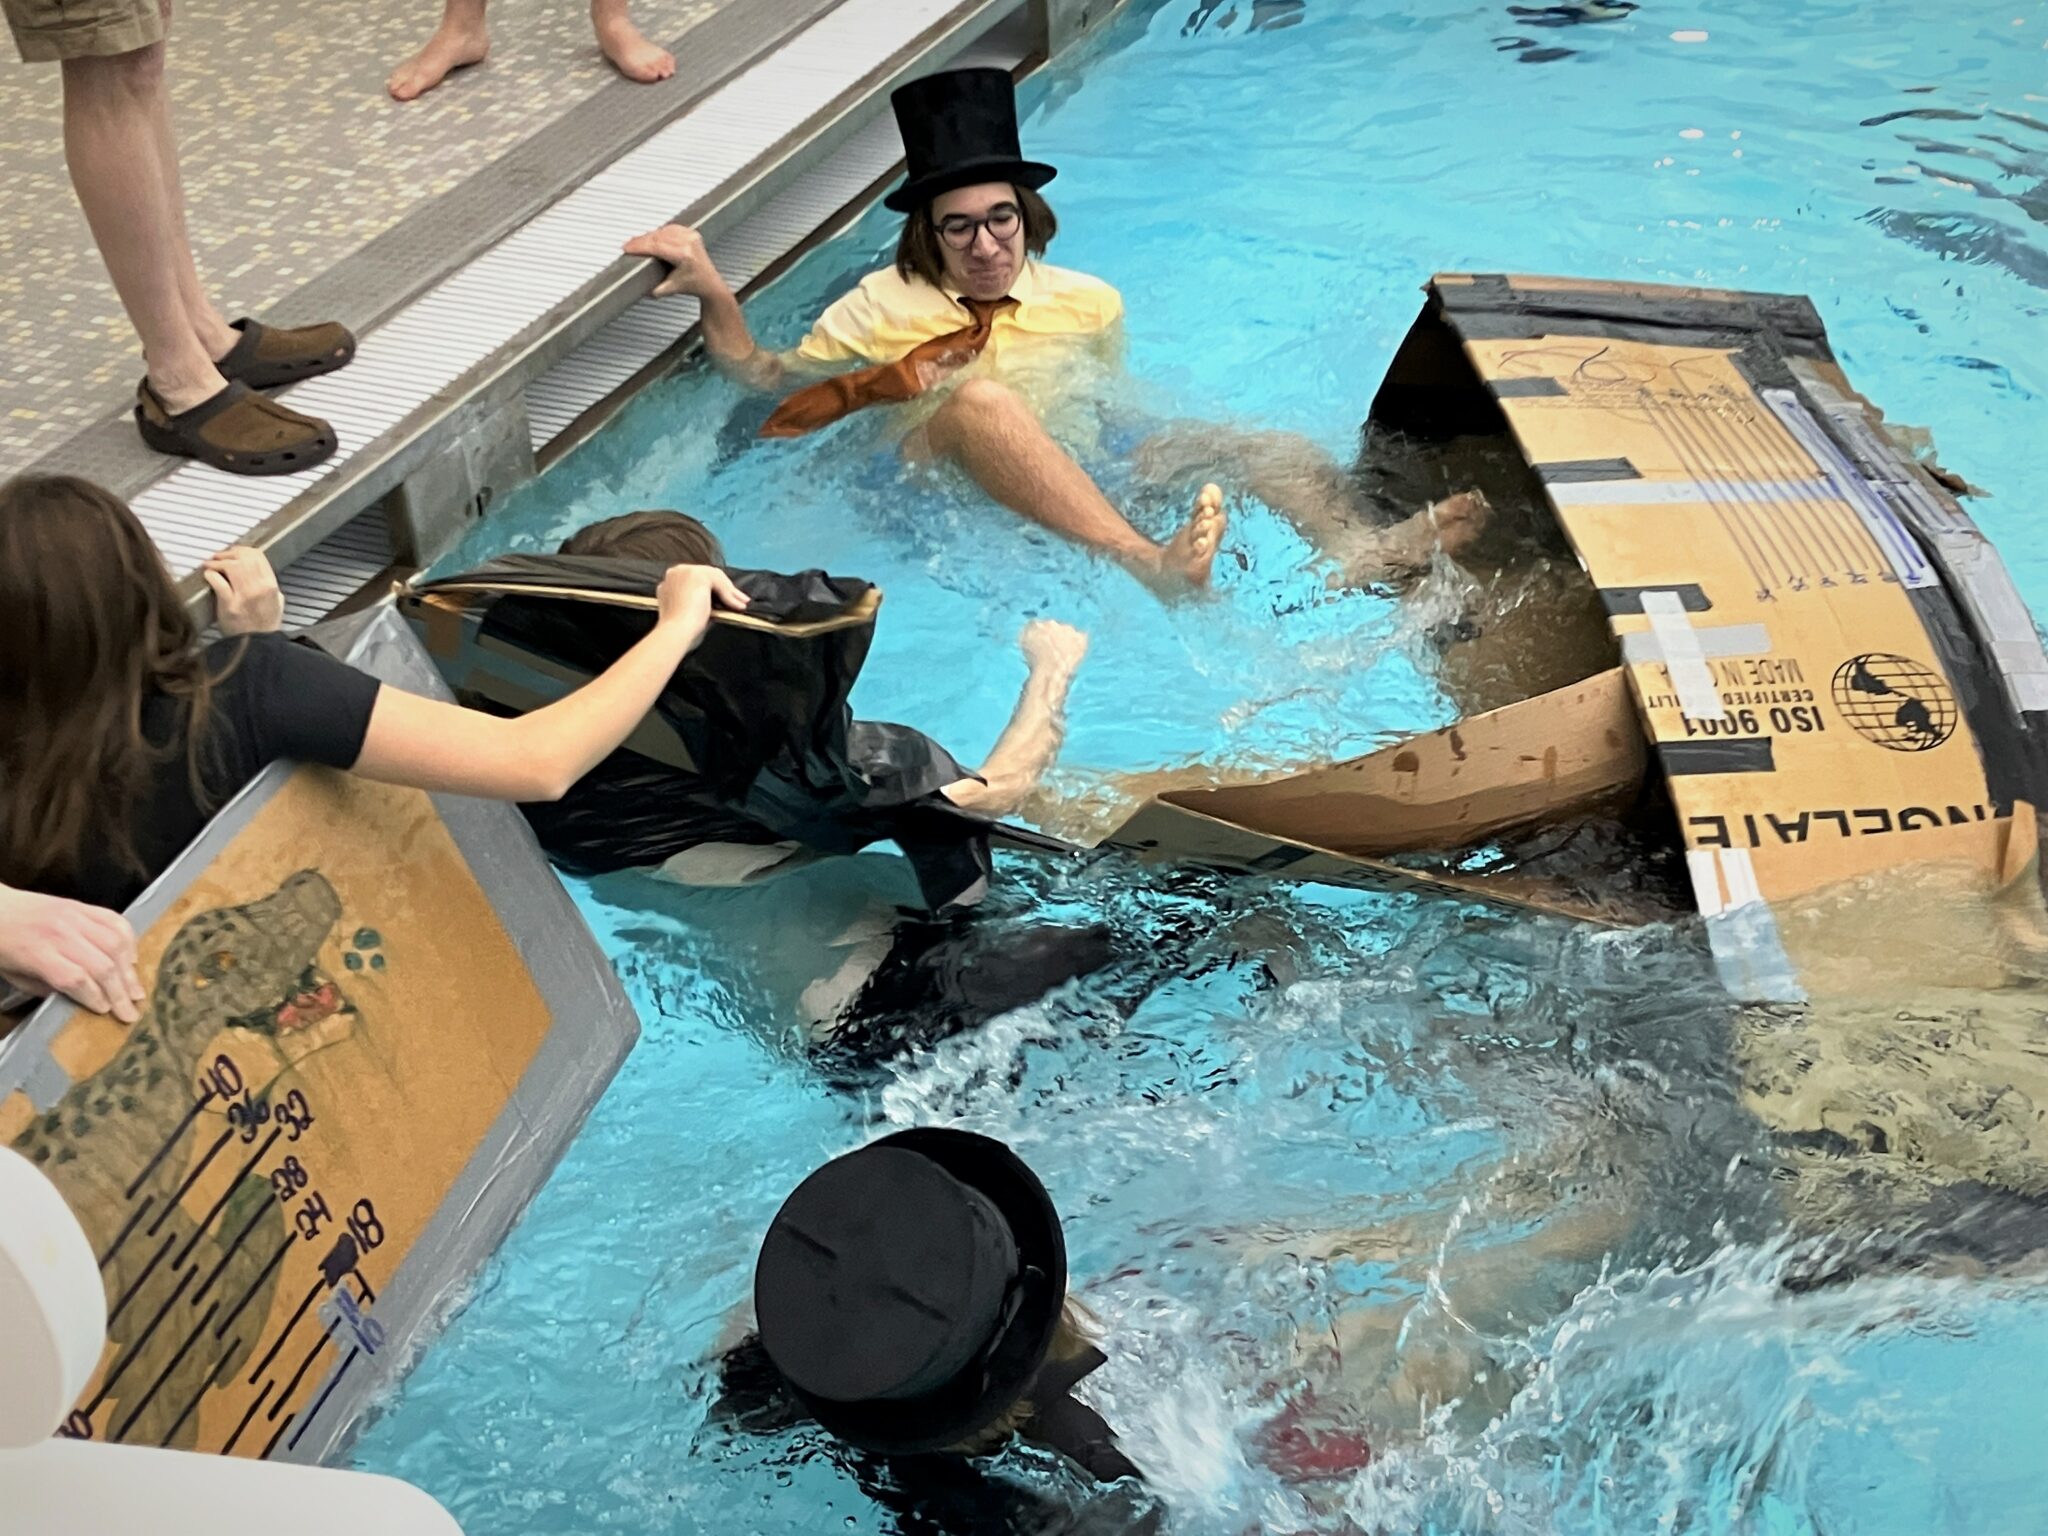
(1837, 680)
(374, 1022)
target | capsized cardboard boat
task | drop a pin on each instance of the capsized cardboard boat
(376, 1021)
(1824, 661)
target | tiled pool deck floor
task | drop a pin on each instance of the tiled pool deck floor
(294, 160)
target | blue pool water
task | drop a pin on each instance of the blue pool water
(1317, 1150)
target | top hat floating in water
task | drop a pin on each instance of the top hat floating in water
(959, 130)
(908, 1292)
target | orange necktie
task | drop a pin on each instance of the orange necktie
(821, 404)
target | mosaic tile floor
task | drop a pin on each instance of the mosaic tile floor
(293, 157)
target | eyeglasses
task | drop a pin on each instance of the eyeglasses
(959, 231)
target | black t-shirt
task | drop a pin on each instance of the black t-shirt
(272, 698)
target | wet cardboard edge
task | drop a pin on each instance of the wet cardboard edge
(1781, 343)
(1491, 306)
(1456, 786)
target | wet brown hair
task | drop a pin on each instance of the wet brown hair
(674, 538)
(94, 625)
(1074, 1335)
(920, 253)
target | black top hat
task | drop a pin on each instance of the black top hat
(960, 128)
(908, 1292)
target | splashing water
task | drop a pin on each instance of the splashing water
(1401, 1216)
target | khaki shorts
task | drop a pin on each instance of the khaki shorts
(45, 30)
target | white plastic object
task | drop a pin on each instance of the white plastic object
(76, 1488)
(53, 1307)
(53, 1328)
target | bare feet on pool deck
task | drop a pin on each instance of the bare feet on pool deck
(1186, 559)
(457, 43)
(624, 44)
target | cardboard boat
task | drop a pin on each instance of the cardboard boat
(1825, 661)
(376, 1022)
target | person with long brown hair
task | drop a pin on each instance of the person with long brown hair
(121, 733)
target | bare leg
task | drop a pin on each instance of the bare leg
(630, 52)
(116, 141)
(1031, 740)
(1285, 470)
(1301, 482)
(1401, 1361)
(215, 334)
(458, 42)
(999, 441)
(1365, 555)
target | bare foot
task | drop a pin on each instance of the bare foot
(1365, 556)
(456, 44)
(631, 54)
(1052, 650)
(1185, 559)
(1460, 520)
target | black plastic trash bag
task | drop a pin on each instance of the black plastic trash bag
(752, 741)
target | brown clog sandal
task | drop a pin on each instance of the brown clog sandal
(271, 356)
(237, 430)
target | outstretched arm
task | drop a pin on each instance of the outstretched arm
(1031, 740)
(726, 337)
(426, 744)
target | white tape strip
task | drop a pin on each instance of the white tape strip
(1683, 656)
(1849, 485)
(1661, 493)
(1721, 640)
(1749, 951)
(1738, 872)
(1706, 881)
(1976, 572)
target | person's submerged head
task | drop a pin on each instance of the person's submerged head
(970, 198)
(94, 626)
(673, 538)
(909, 1292)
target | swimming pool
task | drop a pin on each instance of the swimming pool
(1283, 1116)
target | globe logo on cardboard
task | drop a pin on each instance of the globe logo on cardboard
(1901, 704)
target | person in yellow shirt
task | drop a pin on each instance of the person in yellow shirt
(968, 284)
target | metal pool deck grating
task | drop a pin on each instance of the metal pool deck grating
(470, 332)
(810, 205)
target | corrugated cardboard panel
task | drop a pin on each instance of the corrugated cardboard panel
(1796, 700)
(1160, 832)
(1554, 756)
(1455, 787)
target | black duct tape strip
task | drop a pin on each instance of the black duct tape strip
(1008, 834)
(1620, 600)
(1739, 754)
(1586, 471)
(1526, 389)
(2002, 742)
(1485, 325)
(1484, 309)
(1286, 856)
(2010, 753)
